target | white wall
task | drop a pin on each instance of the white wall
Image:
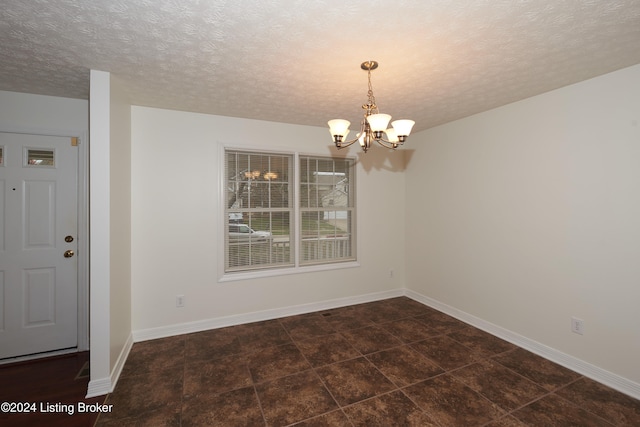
(33, 113)
(176, 221)
(529, 214)
(120, 218)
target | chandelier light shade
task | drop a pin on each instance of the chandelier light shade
(339, 127)
(403, 127)
(374, 124)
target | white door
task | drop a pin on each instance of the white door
(38, 241)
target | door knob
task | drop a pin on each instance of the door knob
(69, 253)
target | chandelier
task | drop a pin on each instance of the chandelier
(373, 125)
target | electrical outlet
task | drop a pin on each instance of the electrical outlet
(179, 300)
(577, 326)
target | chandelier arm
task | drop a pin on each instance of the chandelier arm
(387, 144)
(364, 128)
(345, 144)
(390, 142)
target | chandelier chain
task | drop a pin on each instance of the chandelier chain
(372, 98)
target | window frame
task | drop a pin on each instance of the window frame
(297, 267)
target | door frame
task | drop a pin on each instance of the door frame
(83, 231)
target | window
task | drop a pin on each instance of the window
(326, 210)
(267, 228)
(39, 157)
(258, 210)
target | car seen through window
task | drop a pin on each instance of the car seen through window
(244, 233)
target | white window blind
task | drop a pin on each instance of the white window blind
(260, 210)
(327, 210)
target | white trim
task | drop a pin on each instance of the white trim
(297, 220)
(38, 356)
(103, 386)
(221, 322)
(83, 242)
(219, 207)
(42, 131)
(122, 358)
(270, 272)
(600, 375)
(99, 250)
(99, 387)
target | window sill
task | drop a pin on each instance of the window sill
(259, 274)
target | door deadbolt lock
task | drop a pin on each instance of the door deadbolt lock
(68, 239)
(69, 253)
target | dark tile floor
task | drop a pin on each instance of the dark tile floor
(388, 363)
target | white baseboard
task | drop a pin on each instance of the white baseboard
(99, 387)
(600, 375)
(122, 358)
(106, 385)
(221, 322)
(102, 386)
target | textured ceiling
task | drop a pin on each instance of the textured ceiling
(298, 61)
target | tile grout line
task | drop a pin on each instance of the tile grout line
(313, 368)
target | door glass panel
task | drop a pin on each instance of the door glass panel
(40, 157)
